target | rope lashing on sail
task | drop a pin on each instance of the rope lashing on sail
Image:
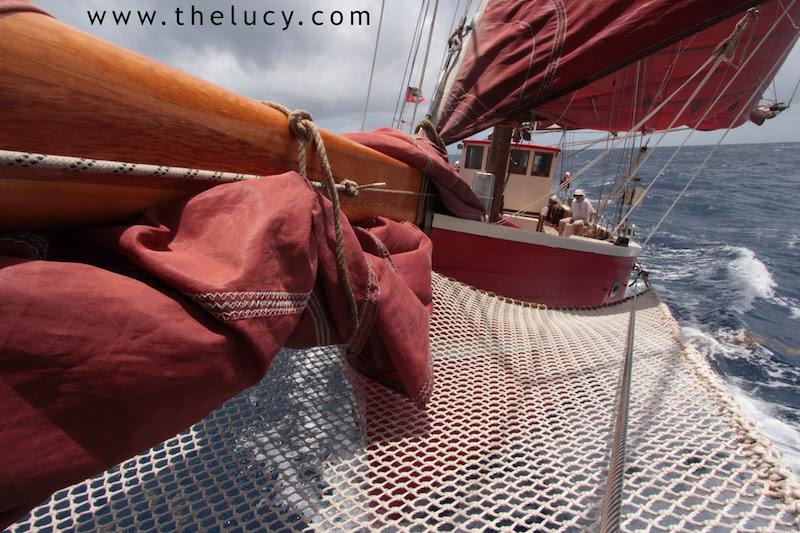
(302, 126)
(82, 165)
(430, 130)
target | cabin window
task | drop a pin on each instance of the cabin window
(541, 164)
(474, 157)
(518, 163)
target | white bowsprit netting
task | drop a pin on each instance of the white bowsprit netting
(515, 438)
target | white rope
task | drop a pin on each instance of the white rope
(372, 70)
(124, 170)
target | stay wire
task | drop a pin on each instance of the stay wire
(372, 70)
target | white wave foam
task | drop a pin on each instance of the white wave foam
(786, 438)
(753, 277)
(794, 239)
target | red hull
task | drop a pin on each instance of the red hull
(534, 273)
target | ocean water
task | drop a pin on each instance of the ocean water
(727, 262)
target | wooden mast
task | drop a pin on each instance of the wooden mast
(498, 165)
(64, 92)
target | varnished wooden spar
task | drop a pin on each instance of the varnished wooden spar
(64, 92)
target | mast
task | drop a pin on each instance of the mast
(498, 165)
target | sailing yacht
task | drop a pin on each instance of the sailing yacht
(190, 243)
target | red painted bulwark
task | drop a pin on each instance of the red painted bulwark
(530, 272)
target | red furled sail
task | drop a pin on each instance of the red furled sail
(620, 101)
(524, 53)
(131, 334)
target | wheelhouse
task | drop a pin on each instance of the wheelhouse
(530, 174)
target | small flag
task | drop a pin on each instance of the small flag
(414, 95)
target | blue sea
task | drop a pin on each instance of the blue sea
(727, 262)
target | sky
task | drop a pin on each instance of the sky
(326, 69)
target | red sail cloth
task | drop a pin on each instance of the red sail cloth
(419, 152)
(621, 100)
(524, 53)
(96, 366)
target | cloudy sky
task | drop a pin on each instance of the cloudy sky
(324, 69)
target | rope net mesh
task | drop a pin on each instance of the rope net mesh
(516, 438)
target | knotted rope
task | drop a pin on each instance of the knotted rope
(302, 126)
(430, 130)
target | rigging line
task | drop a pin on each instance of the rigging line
(675, 153)
(738, 71)
(425, 62)
(612, 499)
(642, 161)
(708, 157)
(635, 128)
(794, 24)
(427, 4)
(604, 174)
(796, 85)
(604, 201)
(668, 74)
(403, 85)
(121, 169)
(452, 27)
(372, 71)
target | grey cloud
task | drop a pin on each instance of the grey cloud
(322, 69)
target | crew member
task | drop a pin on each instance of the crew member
(580, 210)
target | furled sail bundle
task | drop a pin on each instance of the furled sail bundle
(523, 55)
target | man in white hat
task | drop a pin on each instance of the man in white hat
(580, 210)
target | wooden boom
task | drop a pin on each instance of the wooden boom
(65, 92)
